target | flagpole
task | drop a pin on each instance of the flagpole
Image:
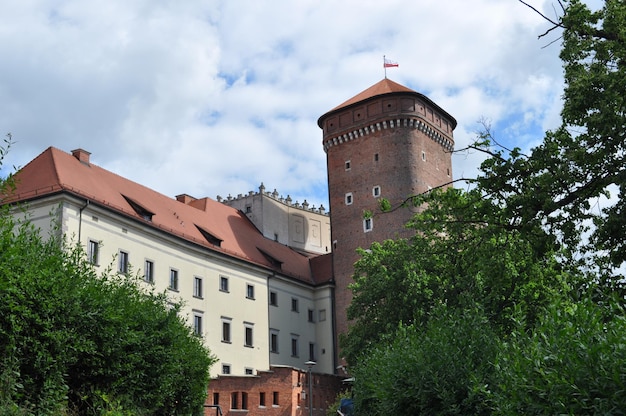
(385, 67)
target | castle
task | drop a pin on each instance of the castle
(264, 279)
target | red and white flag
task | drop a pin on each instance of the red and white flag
(389, 64)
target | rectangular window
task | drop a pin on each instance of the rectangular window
(244, 400)
(273, 298)
(123, 262)
(375, 157)
(225, 368)
(250, 292)
(226, 331)
(311, 315)
(248, 336)
(197, 325)
(376, 191)
(249, 371)
(368, 224)
(311, 351)
(173, 279)
(223, 284)
(274, 341)
(423, 155)
(93, 252)
(148, 271)
(197, 287)
(216, 399)
(275, 398)
(349, 198)
(322, 315)
(234, 399)
(348, 165)
(294, 305)
(294, 347)
(262, 399)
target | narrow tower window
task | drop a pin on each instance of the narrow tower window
(376, 191)
(424, 156)
(368, 224)
(348, 165)
(349, 198)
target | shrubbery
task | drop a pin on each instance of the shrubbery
(73, 341)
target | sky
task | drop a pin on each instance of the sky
(215, 97)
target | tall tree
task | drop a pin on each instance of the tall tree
(535, 232)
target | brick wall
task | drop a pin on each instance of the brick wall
(399, 144)
(282, 391)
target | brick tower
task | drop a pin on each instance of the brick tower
(386, 142)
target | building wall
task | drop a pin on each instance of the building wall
(301, 325)
(281, 391)
(234, 306)
(300, 226)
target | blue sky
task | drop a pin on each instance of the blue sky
(214, 97)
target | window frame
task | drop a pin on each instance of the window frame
(173, 280)
(197, 324)
(197, 287)
(248, 341)
(224, 284)
(148, 271)
(93, 252)
(250, 291)
(295, 346)
(368, 225)
(274, 341)
(348, 198)
(123, 262)
(227, 330)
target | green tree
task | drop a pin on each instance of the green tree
(75, 341)
(584, 159)
(526, 243)
(463, 249)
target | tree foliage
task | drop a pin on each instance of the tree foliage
(75, 341)
(536, 245)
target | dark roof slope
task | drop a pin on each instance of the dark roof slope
(211, 224)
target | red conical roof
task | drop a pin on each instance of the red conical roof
(385, 86)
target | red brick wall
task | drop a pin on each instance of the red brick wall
(396, 142)
(287, 382)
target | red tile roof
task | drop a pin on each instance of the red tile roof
(55, 171)
(383, 87)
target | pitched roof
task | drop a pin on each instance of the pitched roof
(205, 222)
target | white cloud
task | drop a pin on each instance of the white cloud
(215, 97)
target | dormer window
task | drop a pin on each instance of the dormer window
(271, 259)
(140, 210)
(209, 237)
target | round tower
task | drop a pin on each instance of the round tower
(386, 142)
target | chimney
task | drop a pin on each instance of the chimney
(185, 199)
(81, 155)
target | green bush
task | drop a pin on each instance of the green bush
(572, 363)
(440, 369)
(70, 338)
